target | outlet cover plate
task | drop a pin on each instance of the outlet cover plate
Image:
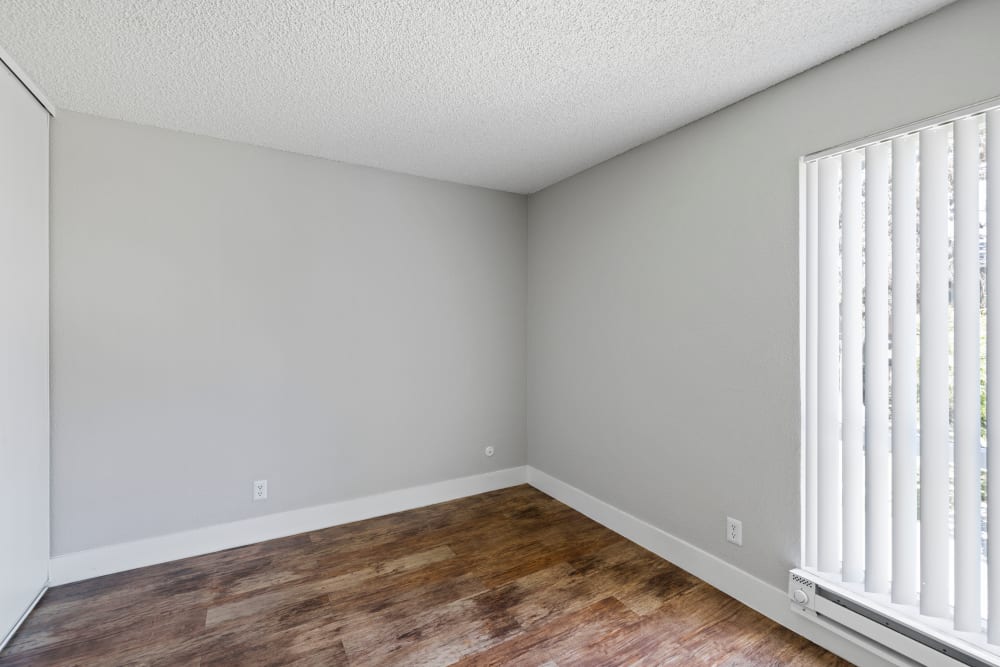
(734, 531)
(260, 489)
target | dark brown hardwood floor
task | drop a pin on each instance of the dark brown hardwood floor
(511, 577)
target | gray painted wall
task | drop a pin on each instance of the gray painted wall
(223, 313)
(663, 293)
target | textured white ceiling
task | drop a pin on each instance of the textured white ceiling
(513, 95)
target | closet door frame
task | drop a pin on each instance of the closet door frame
(24, 346)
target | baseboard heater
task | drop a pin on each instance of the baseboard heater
(889, 637)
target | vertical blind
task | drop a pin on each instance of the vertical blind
(902, 369)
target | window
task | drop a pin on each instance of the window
(902, 370)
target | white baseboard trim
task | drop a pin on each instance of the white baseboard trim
(748, 589)
(96, 562)
(10, 634)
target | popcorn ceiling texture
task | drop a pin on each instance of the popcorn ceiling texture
(507, 95)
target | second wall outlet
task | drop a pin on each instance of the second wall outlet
(734, 531)
(260, 489)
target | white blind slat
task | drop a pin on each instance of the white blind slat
(934, 408)
(967, 360)
(904, 369)
(812, 314)
(877, 478)
(852, 337)
(828, 542)
(993, 370)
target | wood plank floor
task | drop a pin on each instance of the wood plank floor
(511, 577)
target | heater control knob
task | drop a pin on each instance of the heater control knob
(799, 596)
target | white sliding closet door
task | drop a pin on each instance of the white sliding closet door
(24, 349)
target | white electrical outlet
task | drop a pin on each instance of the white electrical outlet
(260, 489)
(734, 531)
(489, 451)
